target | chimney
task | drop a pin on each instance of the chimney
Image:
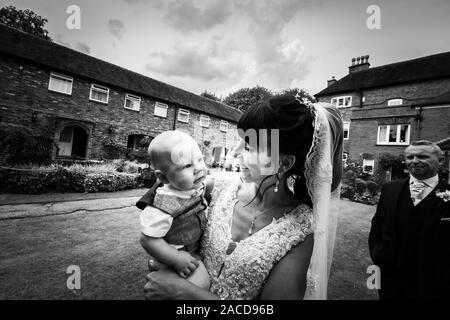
(331, 81)
(359, 63)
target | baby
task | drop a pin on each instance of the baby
(173, 216)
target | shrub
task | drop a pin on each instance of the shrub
(27, 181)
(360, 185)
(96, 182)
(77, 178)
(372, 187)
(18, 144)
(349, 177)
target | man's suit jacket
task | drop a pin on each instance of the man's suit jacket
(433, 251)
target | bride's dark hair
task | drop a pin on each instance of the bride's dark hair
(295, 122)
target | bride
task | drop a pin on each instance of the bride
(270, 234)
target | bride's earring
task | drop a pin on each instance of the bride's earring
(277, 183)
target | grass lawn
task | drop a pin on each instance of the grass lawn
(35, 253)
(351, 254)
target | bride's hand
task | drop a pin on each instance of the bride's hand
(153, 264)
(164, 284)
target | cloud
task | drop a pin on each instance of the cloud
(82, 47)
(116, 27)
(277, 63)
(210, 64)
(187, 16)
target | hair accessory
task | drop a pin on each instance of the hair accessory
(303, 100)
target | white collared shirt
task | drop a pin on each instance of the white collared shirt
(430, 184)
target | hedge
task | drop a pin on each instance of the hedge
(63, 180)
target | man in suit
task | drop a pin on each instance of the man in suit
(410, 235)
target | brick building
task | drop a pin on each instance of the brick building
(82, 104)
(387, 107)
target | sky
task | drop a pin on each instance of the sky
(221, 46)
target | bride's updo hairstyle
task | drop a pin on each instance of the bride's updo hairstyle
(294, 120)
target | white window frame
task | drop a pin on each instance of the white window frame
(62, 77)
(185, 113)
(388, 129)
(101, 89)
(395, 102)
(223, 126)
(367, 162)
(160, 106)
(335, 101)
(132, 98)
(205, 121)
(346, 124)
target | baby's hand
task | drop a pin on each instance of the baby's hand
(185, 264)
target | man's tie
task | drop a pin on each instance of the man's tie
(417, 189)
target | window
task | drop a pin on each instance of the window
(60, 83)
(344, 101)
(224, 126)
(99, 94)
(395, 102)
(161, 110)
(368, 166)
(137, 141)
(394, 134)
(183, 115)
(346, 130)
(204, 121)
(132, 102)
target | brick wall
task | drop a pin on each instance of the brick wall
(24, 90)
(434, 126)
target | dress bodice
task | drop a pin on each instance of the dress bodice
(243, 273)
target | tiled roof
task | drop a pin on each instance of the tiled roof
(425, 68)
(59, 58)
(444, 144)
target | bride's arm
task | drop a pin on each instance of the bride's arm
(287, 279)
(165, 284)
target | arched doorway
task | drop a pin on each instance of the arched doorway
(73, 142)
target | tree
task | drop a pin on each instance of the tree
(302, 93)
(246, 97)
(24, 20)
(209, 95)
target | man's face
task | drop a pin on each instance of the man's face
(421, 162)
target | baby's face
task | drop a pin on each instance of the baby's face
(186, 169)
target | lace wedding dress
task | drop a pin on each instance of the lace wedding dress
(242, 273)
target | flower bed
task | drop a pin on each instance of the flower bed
(77, 178)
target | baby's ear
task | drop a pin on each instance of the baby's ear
(161, 176)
